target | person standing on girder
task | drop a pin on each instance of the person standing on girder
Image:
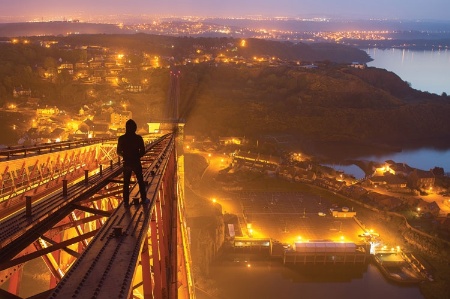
(131, 147)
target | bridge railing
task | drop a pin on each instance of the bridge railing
(13, 152)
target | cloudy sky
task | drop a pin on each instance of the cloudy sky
(399, 9)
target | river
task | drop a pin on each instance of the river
(421, 158)
(271, 279)
(424, 70)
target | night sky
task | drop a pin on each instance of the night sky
(23, 10)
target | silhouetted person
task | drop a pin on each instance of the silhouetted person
(131, 147)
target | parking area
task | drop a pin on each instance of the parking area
(292, 217)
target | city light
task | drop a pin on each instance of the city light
(243, 208)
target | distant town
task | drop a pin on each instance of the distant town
(59, 87)
(118, 70)
(370, 33)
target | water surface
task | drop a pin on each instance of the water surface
(273, 280)
(422, 158)
(425, 70)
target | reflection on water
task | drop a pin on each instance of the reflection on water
(270, 279)
(425, 70)
(424, 159)
(323, 274)
(352, 169)
(340, 157)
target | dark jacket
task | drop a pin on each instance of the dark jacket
(131, 147)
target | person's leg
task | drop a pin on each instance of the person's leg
(126, 184)
(142, 185)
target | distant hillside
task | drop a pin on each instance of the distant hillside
(179, 47)
(307, 52)
(109, 35)
(328, 104)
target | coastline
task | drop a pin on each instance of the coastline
(400, 271)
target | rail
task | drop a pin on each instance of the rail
(38, 149)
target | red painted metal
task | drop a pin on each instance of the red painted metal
(14, 281)
(157, 271)
(146, 271)
(57, 255)
(162, 256)
(163, 250)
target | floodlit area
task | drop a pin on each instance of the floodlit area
(296, 217)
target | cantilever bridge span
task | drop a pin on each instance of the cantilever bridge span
(62, 204)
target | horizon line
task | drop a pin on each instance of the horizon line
(104, 18)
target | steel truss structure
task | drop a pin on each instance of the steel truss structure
(93, 246)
